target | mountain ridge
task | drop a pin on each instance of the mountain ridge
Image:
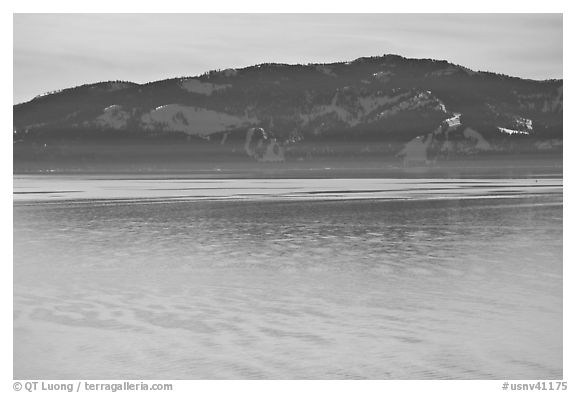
(303, 112)
(485, 72)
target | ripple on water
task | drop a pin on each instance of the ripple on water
(344, 289)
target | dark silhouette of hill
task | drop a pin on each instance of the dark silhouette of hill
(372, 106)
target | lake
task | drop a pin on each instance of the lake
(172, 278)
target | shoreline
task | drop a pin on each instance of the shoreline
(65, 189)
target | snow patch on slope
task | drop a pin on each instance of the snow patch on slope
(512, 132)
(524, 123)
(354, 113)
(365, 109)
(371, 103)
(420, 100)
(453, 121)
(193, 120)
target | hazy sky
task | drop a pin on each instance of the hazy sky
(55, 51)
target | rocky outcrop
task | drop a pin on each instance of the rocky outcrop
(263, 148)
(448, 139)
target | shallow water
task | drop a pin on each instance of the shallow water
(322, 279)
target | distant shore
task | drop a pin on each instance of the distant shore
(495, 167)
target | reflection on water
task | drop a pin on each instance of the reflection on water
(427, 289)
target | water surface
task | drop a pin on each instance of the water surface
(322, 278)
